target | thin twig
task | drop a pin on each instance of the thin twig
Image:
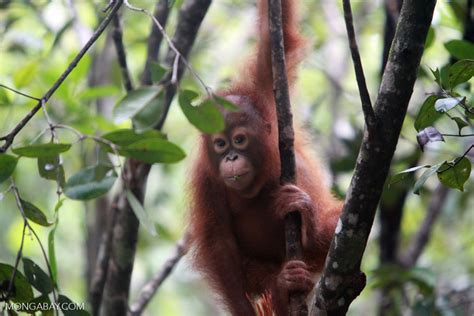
(25, 219)
(369, 116)
(19, 255)
(19, 92)
(172, 46)
(117, 36)
(11, 136)
(149, 290)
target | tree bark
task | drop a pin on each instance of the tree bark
(125, 234)
(342, 281)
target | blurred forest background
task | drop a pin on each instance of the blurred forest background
(38, 39)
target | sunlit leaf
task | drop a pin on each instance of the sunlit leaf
(428, 135)
(424, 177)
(455, 174)
(7, 166)
(41, 150)
(154, 151)
(460, 49)
(34, 213)
(446, 104)
(134, 102)
(427, 114)
(37, 277)
(400, 176)
(206, 116)
(90, 183)
(22, 291)
(460, 72)
(140, 213)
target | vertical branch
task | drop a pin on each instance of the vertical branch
(161, 13)
(285, 141)
(342, 280)
(125, 234)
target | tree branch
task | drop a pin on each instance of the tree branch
(100, 29)
(369, 116)
(117, 36)
(120, 266)
(149, 289)
(154, 40)
(342, 280)
(285, 141)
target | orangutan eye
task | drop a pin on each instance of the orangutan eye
(219, 143)
(240, 141)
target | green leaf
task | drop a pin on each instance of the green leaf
(74, 311)
(400, 176)
(436, 73)
(40, 304)
(154, 151)
(427, 114)
(469, 112)
(455, 174)
(226, 103)
(460, 123)
(51, 168)
(134, 102)
(22, 291)
(150, 114)
(460, 49)
(206, 117)
(7, 166)
(90, 183)
(460, 72)
(34, 213)
(445, 104)
(421, 180)
(157, 72)
(41, 150)
(140, 213)
(37, 277)
(52, 255)
(125, 137)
